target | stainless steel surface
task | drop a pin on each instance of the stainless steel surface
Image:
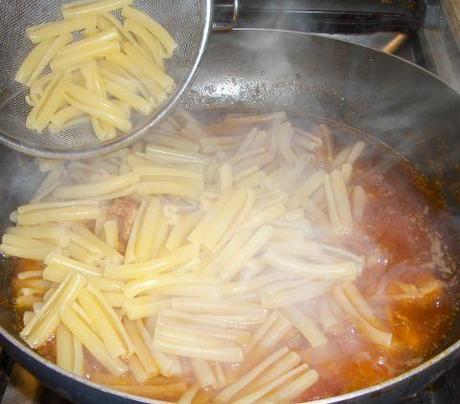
(188, 20)
(226, 14)
(404, 106)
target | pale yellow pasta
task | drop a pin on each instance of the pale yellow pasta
(112, 255)
(139, 347)
(185, 189)
(230, 391)
(43, 324)
(203, 373)
(102, 324)
(145, 237)
(150, 43)
(129, 97)
(91, 342)
(148, 67)
(225, 218)
(41, 32)
(140, 285)
(107, 186)
(42, 113)
(95, 105)
(305, 325)
(156, 266)
(64, 348)
(66, 117)
(290, 390)
(155, 29)
(144, 306)
(39, 58)
(160, 236)
(90, 7)
(181, 230)
(262, 391)
(144, 80)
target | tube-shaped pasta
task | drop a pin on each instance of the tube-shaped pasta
(176, 258)
(137, 370)
(225, 218)
(305, 325)
(64, 348)
(38, 59)
(151, 44)
(92, 342)
(247, 252)
(144, 306)
(91, 42)
(183, 189)
(241, 337)
(68, 264)
(355, 152)
(292, 389)
(32, 253)
(102, 324)
(262, 391)
(59, 214)
(311, 270)
(203, 373)
(264, 216)
(374, 334)
(155, 29)
(149, 245)
(129, 97)
(306, 189)
(143, 79)
(359, 199)
(140, 349)
(228, 251)
(285, 364)
(117, 75)
(233, 389)
(181, 230)
(341, 199)
(89, 7)
(298, 294)
(86, 53)
(97, 188)
(43, 324)
(224, 321)
(151, 171)
(138, 286)
(213, 349)
(219, 307)
(42, 113)
(41, 32)
(66, 117)
(105, 249)
(96, 105)
(148, 67)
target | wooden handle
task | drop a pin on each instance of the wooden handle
(392, 46)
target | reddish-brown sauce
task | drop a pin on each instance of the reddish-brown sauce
(397, 233)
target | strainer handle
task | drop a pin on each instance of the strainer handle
(226, 14)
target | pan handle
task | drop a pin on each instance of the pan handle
(226, 13)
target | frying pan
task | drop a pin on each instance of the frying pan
(407, 108)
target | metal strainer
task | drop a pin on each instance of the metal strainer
(187, 20)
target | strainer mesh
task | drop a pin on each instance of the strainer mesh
(185, 20)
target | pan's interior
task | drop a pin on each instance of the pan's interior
(405, 107)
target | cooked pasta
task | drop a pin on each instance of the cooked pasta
(121, 62)
(201, 266)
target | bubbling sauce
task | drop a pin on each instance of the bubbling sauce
(404, 281)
